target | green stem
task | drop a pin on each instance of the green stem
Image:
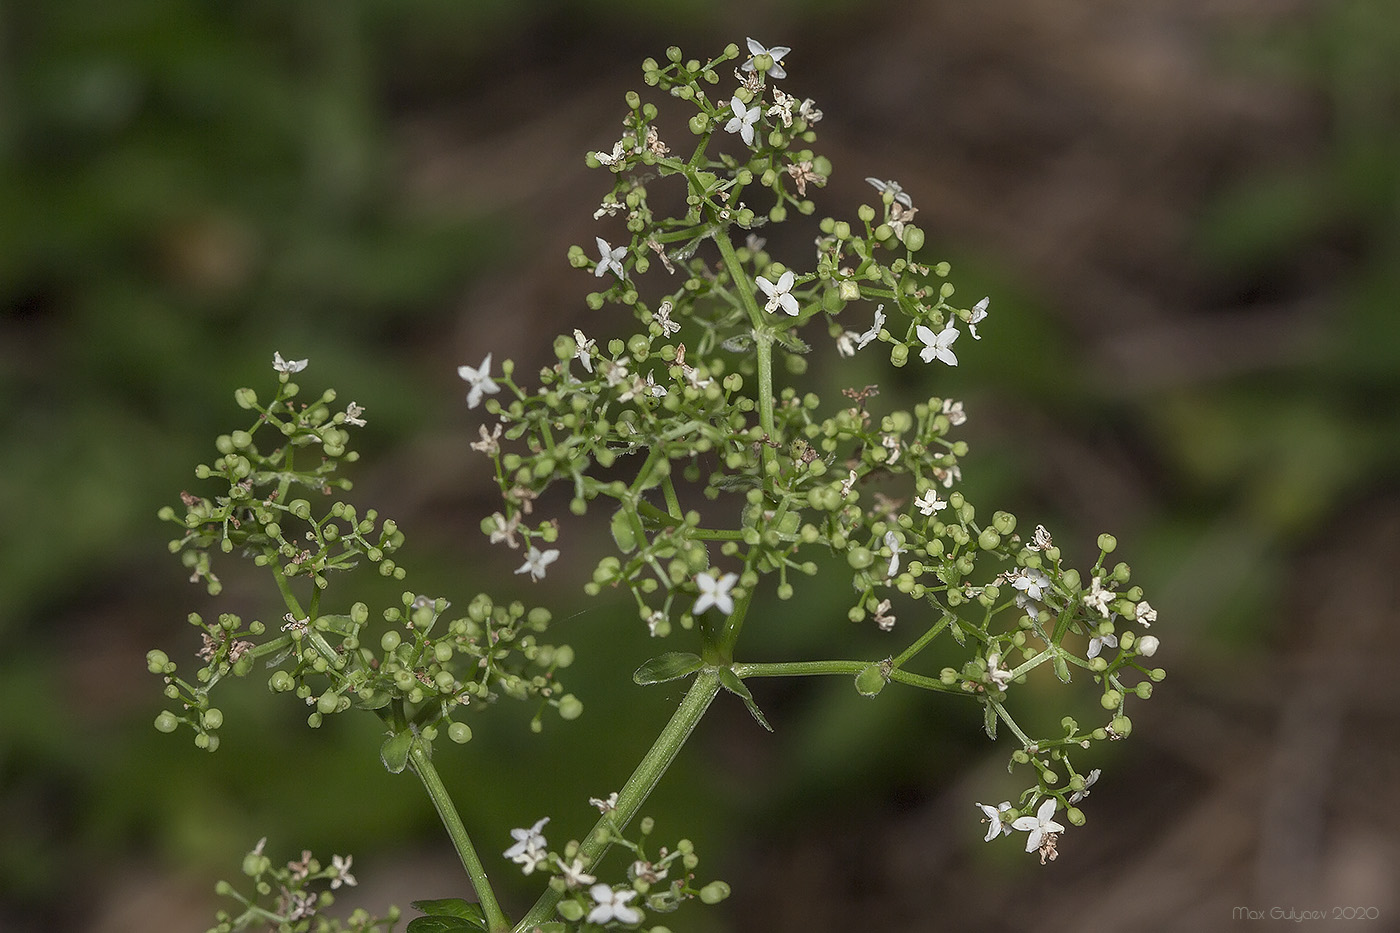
(763, 347)
(638, 787)
(423, 767)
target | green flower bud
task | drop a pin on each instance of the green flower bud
(245, 398)
(459, 732)
(570, 707)
(899, 354)
(212, 718)
(859, 558)
(714, 892)
(156, 660)
(390, 640)
(167, 722)
(913, 238)
(1111, 699)
(1107, 543)
(571, 911)
(988, 539)
(1122, 725)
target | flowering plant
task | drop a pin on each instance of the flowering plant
(683, 408)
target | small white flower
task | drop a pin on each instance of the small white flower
(489, 443)
(929, 502)
(480, 380)
(609, 258)
(574, 876)
(895, 190)
(954, 411)
(612, 905)
(287, 366)
(1039, 825)
(938, 346)
(715, 592)
(948, 475)
(583, 349)
(847, 483)
(604, 805)
(782, 107)
(892, 542)
(340, 871)
(615, 371)
(1099, 642)
(883, 617)
(998, 674)
(977, 316)
(849, 342)
(536, 561)
(1088, 783)
(997, 827)
(891, 443)
(353, 413)
(1098, 598)
(1145, 614)
(1147, 645)
(809, 112)
(1040, 539)
(743, 120)
(1031, 583)
(529, 848)
(776, 53)
(505, 530)
(779, 295)
(643, 870)
(663, 317)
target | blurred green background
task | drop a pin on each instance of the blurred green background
(1187, 215)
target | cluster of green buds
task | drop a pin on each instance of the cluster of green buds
(687, 402)
(291, 897)
(421, 669)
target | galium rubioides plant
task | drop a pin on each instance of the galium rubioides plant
(685, 404)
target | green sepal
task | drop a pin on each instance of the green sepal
(449, 908)
(377, 700)
(1062, 669)
(622, 532)
(731, 682)
(668, 666)
(989, 720)
(394, 751)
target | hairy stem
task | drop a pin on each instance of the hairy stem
(638, 787)
(423, 767)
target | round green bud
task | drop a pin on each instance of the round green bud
(281, 682)
(1107, 543)
(913, 238)
(156, 660)
(714, 892)
(1004, 522)
(570, 707)
(1122, 725)
(988, 539)
(1111, 699)
(245, 398)
(167, 722)
(459, 732)
(212, 718)
(571, 911)
(899, 354)
(390, 640)
(859, 558)
(866, 213)
(1075, 816)
(1144, 690)
(673, 53)
(1157, 674)
(327, 702)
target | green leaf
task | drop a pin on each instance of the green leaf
(731, 682)
(668, 666)
(1062, 669)
(989, 720)
(452, 907)
(443, 925)
(622, 531)
(394, 751)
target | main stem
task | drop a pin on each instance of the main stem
(423, 767)
(638, 787)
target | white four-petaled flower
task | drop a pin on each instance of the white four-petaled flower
(939, 345)
(715, 592)
(1079, 795)
(743, 120)
(1101, 641)
(1039, 825)
(480, 380)
(780, 294)
(1147, 645)
(340, 871)
(976, 316)
(929, 502)
(998, 674)
(776, 53)
(612, 905)
(896, 192)
(993, 814)
(287, 366)
(609, 258)
(574, 876)
(1099, 598)
(583, 349)
(529, 848)
(892, 542)
(1145, 614)
(536, 561)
